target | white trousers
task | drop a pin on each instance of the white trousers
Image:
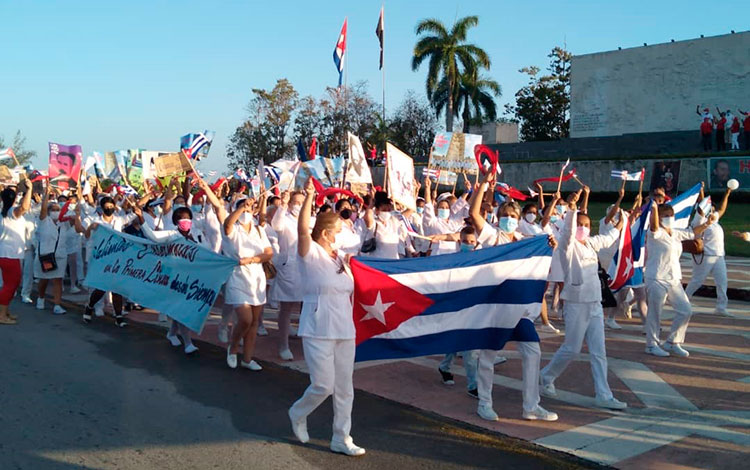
(582, 321)
(735, 140)
(717, 267)
(530, 357)
(659, 291)
(331, 365)
(28, 272)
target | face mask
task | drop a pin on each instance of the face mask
(561, 209)
(385, 216)
(530, 218)
(346, 214)
(177, 206)
(465, 248)
(553, 219)
(582, 233)
(196, 208)
(295, 210)
(157, 210)
(443, 213)
(246, 218)
(508, 224)
(667, 222)
(108, 211)
(184, 225)
(420, 210)
(488, 217)
(54, 215)
(72, 207)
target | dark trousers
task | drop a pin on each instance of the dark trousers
(747, 140)
(721, 145)
(706, 138)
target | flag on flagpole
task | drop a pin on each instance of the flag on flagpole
(313, 148)
(456, 302)
(379, 30)
(339, 51)
(621, 268)
(301, 152)
(638, 232)
(628, 176)
(705, 205)
(7, 153)
(432, 173)
(683, 206)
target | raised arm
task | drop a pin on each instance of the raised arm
(25, 202)
(475, 206)
(654, 217)
(613, 211)
(724, 203)
(304, 239)
(229, 222)
(585, 205)
(45, 201)
(540, 195)
(427, 190)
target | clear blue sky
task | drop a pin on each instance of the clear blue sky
(112, 74)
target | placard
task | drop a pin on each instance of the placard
(720, 170)
(171, 164)
(454, 151)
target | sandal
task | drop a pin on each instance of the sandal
(7, 321)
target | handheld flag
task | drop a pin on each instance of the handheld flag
(638, 232)
(627, 176)
(683, 206)
(339, 51)
(621, 269)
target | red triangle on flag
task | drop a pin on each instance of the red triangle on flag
(381, 303)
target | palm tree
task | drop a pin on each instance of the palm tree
(473, 91)
(445, 51)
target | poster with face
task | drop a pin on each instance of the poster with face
(666, 175)
(721, 170)
(64, 165)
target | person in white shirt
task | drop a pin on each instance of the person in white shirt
(32, 216)
(663, 281)
(12, 244)
(50, 241)
(349, 240)
(391, 239)
(327, 331)
(584, 318)
(531, 354)
(712, 261)
(440, 221)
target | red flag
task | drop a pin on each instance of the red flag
(313, 148)
(554, 179)
(623, 260)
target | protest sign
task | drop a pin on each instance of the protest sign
(357, 170)
(454, 151)
(64, 165)
(180, 279)
(5, 174)
(171, 164)
(721, 170)
(666, 175)
(401, 183)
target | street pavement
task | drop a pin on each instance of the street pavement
(95, 396)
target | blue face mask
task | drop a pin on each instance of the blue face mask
(488, 217)
(553, 219)
(157, 210)
(420, 210)
(196, 208)
(508, 224)
(443, 213)
(560, 209)
(177, 206)
(465, 248)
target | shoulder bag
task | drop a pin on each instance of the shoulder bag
(48, 261)
(370, 244)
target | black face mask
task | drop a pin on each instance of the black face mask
(346, 214)
(108, 211)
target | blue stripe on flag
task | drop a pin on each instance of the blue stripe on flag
(445, 342)
(512, 292)
(526, 248)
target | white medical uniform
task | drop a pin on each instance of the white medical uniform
(433, 225)
(51, 239)
(247, 284)
(712, 262)
(584, 318)
(286, 287)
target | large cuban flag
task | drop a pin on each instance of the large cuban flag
(683, 206)
(449, 303)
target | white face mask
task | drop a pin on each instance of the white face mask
(54, 215)
(667, 222)
(385, 216)
(294, 209)
(530, 218)
(246, 218)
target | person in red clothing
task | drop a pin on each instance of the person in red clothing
(746, 128)
(706, 130)
(721, 145)
(735, 130)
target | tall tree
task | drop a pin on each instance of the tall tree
(447, 52)
(308, 119)
(474, 98)
(543, 106)
(264, 132)
(343, 109)
(413, 126)
(18, 144)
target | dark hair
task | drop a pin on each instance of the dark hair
(527, 207)
(367, 200)
(324, 208)
(271, 200)
(382, 199)
(104, 200)
(67, 154)
(340, 203)
(9, 197)
(468, 230)
(716, 165)
(665, 210)
(178, 214)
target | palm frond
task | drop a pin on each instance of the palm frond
(462, 26)
(432, 25)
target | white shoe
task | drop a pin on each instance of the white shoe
(58, 310)
(26, 300)
(547, 390)
(262, 330)
(40, 304)
(190, 348)
(486, 412)
(655, 350)
(75, 290)
(231, 358)
(499, 360)
(675, 349)
(612, 324)
(550, 328)
(174, 340)
(223, 333)
(611, 404)
(99, 310)
(540, 413)
(299, 428)
(346, 447)
(286, 355)
(252, 365)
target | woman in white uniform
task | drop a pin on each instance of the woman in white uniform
(327, 331)
(12, 243)
(246, 241)
(389, 232)
(50, 240)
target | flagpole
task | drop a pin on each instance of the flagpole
(382, 9)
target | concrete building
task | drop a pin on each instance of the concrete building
(497, 132)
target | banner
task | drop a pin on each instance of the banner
(454, 151)
(180, 279)
(400, 176)
(64, 165)
(721, 170)
(666, 175)
(357, 171)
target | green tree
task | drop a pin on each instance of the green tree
(18, 144)
(447, 52)
(474, 98)
(413, 126)
(308, 119)
(345, 109)
(543, 106)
